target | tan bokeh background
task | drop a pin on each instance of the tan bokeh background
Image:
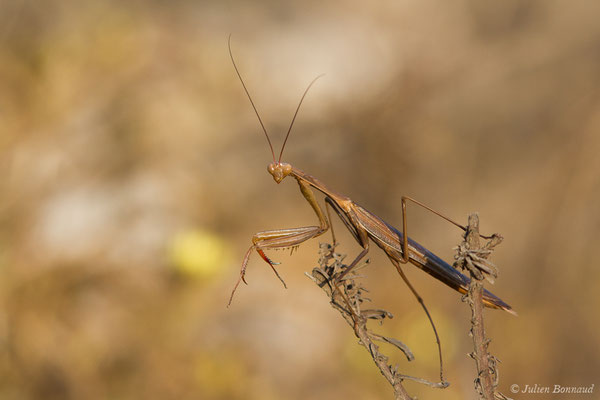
(133, 176)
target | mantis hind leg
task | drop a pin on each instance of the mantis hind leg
(406, 257)
(422, 303)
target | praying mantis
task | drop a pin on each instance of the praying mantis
(364, 226)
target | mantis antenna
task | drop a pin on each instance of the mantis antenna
(256, 111)
(250, 98)
(295, 114)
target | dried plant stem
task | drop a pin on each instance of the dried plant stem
(472, 256)
(347, 298)
(387, 371)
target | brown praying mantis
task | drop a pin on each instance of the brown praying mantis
(362, 224)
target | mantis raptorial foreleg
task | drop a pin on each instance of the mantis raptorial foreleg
(284, 238)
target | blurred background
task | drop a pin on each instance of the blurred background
(133, 175)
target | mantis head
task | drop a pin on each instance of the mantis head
(279, 170)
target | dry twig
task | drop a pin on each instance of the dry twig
(348, 301)
(472, 256)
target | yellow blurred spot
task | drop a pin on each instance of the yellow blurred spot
(221, 377)
(198, 253)
(226, 376)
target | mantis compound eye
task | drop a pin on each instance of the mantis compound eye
(287, 169)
